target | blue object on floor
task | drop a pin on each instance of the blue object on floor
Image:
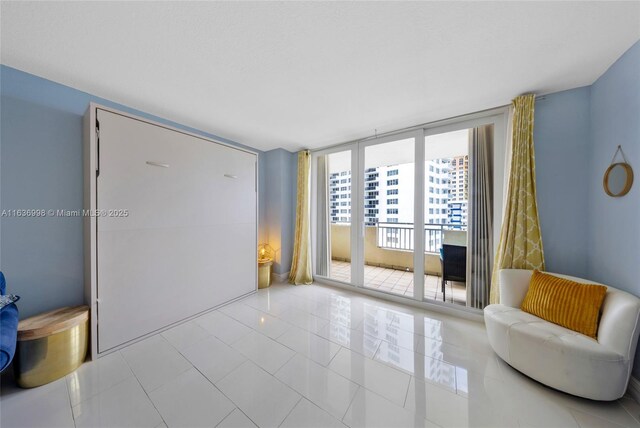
(8, 329)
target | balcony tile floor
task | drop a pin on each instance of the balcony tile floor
(400, 282)
(374, 364)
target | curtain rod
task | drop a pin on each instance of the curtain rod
(422, 125)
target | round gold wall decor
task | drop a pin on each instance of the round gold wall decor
(618, 179)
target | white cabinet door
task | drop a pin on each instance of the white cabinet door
(189, 240)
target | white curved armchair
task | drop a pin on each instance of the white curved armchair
(561, 358)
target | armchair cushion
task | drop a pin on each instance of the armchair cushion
(564, 302)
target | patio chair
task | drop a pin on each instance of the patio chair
(453, 259)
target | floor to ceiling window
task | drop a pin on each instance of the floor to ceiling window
(333, 198)
(387, 223)
(388, 197)
(446, 211)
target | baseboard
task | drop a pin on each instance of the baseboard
(281, 277)
(634, 389)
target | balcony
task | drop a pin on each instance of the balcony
(389, 258)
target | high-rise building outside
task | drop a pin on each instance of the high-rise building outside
(389, 193)
(459, 191)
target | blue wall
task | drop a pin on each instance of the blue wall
(614, 223)
(41, 168)
(281, 175)
(584, 231)
(561, 138)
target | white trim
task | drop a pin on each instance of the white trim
(390, 138)
(418, 216)
(336, 149)
(89, 224)
(90, 166)
(357, 216)
(170, 326)
(95, 106)
(479, 114)
(634, 389)
(434, 306)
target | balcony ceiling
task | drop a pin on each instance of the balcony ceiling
(310, 74)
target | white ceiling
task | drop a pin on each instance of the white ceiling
(310, 74)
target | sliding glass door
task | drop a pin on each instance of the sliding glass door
(334, 214)
(446, 214)
(388, 205)
(462, 194)
(412, 214)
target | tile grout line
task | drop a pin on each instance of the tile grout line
(406, 395)
(285, 363)
(284, 384)
(397, 369)
(66, 385)
(239, 409)
(144, 390)
(628, 411)
(351, 402)
(573, 409)
(334, 356)
(363, 386)
(105, 390)
(261, 368)
(224, 395)
(294, 406)
(213, 384)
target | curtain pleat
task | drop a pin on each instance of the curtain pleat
(520, 244)
(301, 263)
(323, 238)
(480, 225)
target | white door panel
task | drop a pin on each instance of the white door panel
(161, 276)
(189, 241)
(191, 187)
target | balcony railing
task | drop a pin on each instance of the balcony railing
(400, 236)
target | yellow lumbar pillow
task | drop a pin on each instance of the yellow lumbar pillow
(570, 304)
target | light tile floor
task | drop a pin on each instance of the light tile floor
(307, 356)
(401, 282)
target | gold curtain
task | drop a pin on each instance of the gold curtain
(301, 263)
(520, 237)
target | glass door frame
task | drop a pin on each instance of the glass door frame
(499, 156)
(497, 116)
(418, 210)
(353, 148)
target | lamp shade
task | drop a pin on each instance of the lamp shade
(265, 253)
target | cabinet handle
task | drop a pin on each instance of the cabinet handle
(231, 176)
(161, 165)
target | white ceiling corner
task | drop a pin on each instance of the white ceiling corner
(310, 74)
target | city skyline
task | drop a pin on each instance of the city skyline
(389, 193)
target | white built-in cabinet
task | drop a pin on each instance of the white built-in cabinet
(176, 230)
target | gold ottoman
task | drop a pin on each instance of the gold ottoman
(51, 345)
